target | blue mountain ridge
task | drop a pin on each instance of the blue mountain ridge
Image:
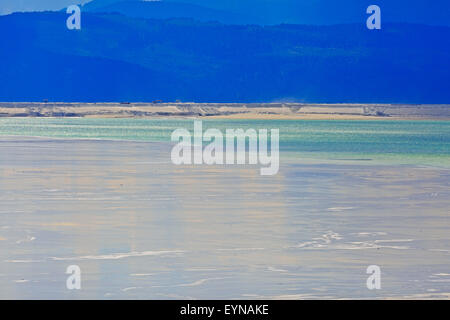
(311, 12)
(120, 58)
(167, 9)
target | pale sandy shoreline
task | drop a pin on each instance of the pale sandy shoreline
(270, 111)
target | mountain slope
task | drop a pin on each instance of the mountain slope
(165, 10)
(118, 58)
(328, 12)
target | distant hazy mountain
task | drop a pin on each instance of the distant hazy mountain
(167, 9)
(119, 58)
(312, 12)
(96, 4)
(327, 12)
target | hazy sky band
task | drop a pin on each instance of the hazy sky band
(9, 6)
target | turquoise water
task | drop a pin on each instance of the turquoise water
(140, 227)
(399, 142)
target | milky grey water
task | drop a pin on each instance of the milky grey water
(140, 227)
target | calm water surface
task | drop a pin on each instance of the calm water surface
(106, 197)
